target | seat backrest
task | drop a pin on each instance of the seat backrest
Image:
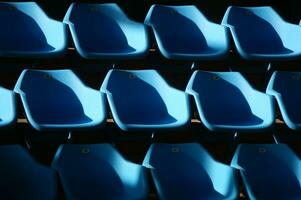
(178, 27)
(269, 171)
(137, 93)
(100, 22)
(256, 28)
(29, 30)
(188, 171)
(23, 177)
(288, 85)
(231, 87)
(52, 96)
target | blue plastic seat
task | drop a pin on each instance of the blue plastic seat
(285, 87)
(187, 171)
(28, 32)
(104, 31)
(259, 33)
(22, 178)
(7, 107)
(98, 171)
(269, 171)
(142, 100)
(57, 99)
(227, 102)
(183, 32)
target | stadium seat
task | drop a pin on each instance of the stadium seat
(259, 33)
(286, 87)
(7, 107)
(98, 171)
(28, 32)
(104, 31)
(22, 178)
(187, 171)
(142, 100)
(227, 102)
(183, 32)
(269, 171)
(58, 100)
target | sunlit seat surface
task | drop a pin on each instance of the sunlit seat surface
(7, 107)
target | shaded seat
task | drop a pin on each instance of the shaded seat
(142, 100)
(227, 102)
(22, 178)
(57, 99)
(183, 32)
(98, 171)
(187, 171)
(7, 107)
(285, 87)
(269, 171)
(28, 32)
(104, 31)
(259, 33)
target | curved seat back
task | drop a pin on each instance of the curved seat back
(59, 98)
(131, 94)
(183, 31)
(23, 178)
(285, 87)
(104, 30)
(143, 98)
(259, 33)
(256, 29)
(269, 171)
(98, 171)
(29, 32)
(187, 171)
(225, 100)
